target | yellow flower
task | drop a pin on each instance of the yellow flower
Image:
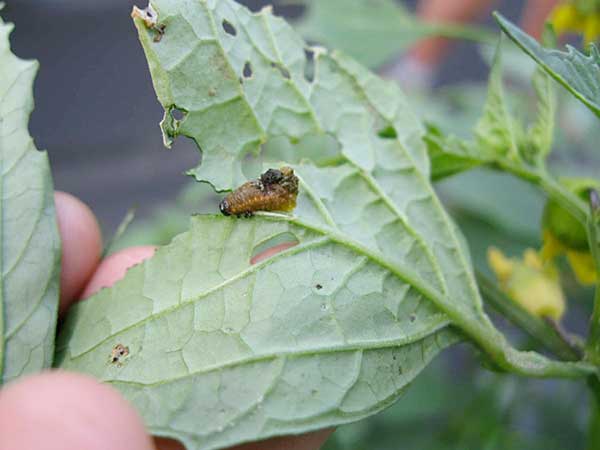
(581, 261)
(573, 18)
(530, 282)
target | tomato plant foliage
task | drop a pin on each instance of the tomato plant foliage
(215, 347)
(221, 351)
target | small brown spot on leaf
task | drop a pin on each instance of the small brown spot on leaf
(319, 287)
(412, 317)
(118, 354)
(160, 32)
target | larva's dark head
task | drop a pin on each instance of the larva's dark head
(224, 207)
(271, 176)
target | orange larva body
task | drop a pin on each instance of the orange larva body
(274, 191)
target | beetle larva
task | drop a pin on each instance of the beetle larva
(275, 190)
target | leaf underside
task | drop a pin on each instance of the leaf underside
(30, 259)
(222, 351)
(578, 73)
(329, 331)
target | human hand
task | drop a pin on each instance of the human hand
(58, 410)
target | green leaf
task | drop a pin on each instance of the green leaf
(500, 138)
(30, 260)
(541, 132)
(577, 72)
(220, 351)
(496, 133)
(373, 32)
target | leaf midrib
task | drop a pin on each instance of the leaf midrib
(342, 348)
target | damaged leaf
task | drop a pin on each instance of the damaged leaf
(222, 351)
(30, 260)
(214, 351)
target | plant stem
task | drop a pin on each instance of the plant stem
(535, 327)
(593, 435)
(593, 344)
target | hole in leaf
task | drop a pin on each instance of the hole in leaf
(247, 72)
(309, 65)
(272, 246)
(282, 70)
(168, 444)
(177, 114)
(388, 132)
(229, 28)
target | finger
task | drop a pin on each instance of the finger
(309, 441)
(115, 266)
(81, 246)
(66, 411)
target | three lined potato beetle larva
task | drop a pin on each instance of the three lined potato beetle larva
(275, 190)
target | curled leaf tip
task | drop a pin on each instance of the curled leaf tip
(150, 18)
(148, 15)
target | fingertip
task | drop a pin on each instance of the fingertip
(81, 245)
(114, 267)
(66, 411)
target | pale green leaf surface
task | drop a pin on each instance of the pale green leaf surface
(577, 72)
(221, 351)
(373, 32)
(28, 231)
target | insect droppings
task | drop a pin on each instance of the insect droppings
(118, 352)
(275, 190)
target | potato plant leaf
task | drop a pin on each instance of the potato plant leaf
(215, 351)
(577, 72)
(30, 259)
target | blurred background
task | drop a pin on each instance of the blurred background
(97, 115)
